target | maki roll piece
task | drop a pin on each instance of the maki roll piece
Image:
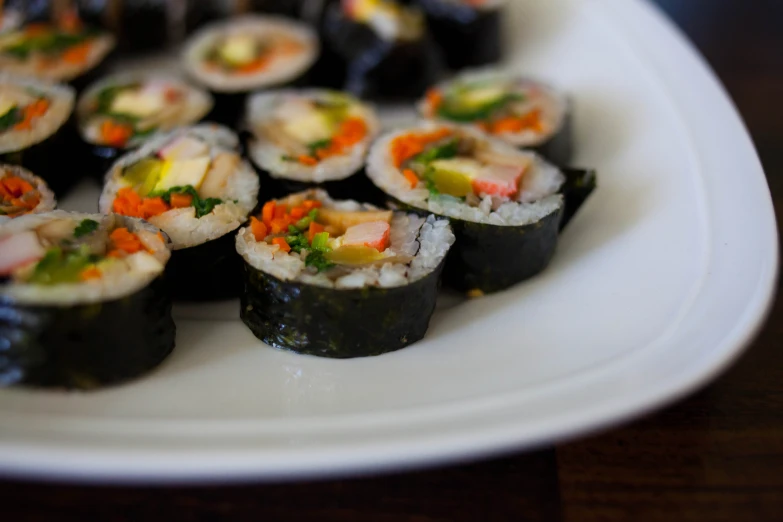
(123, 111)
(33, 130)
(193, 185)
(303, 138)
(22, 193)
(505, 205)
(66, 51)
(247, 53)
(377, 49)
(524, 113)
(468, 32)
(82, 304)
(340, 279)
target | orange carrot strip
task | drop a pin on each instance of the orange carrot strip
(126, 241)
(310, 204)
(115, 134)
(77, 54)
(16, 186)
(284, 246)
(181, 200)
(127, 203)
(434, 100)
(307, 160)
(278, 225)
(151, 207)
(90, 273)
(314, 229)
(298, 212)
(268, 212)
(411, 176)
(258, 228)
(280, 211)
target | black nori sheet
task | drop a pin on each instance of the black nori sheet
(580, 183)
(333, 323)
(208, 272)
(467, 36)
(85, 346)
(559, 149)
(357, 60)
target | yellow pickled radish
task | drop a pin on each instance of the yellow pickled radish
(144, 175)
(452, 183)
(354, 255)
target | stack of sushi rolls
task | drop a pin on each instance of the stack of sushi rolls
(248, 53)
(82, 304)
(64, 50)
(468, 32)
(522, 112)
(22, 193)
(340, 279)
(506, 205)
(122, 111)
(193, 184)
(303, 138)
(33, 130)
(378, 49)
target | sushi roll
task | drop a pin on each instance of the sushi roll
(524, 113)
(33, 130)
(22, 193)
(65, 51)
(82, 304)
(506, 205)
(377, 49)
(193, 185)
(303, 138)
(468, 32)
(123, 111)
(247, 53)
(314, 265)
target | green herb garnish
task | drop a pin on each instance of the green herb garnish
(446, 151)
(315, 146)
(9, 119)
(87, 226)
(202, 206)
(318, 260)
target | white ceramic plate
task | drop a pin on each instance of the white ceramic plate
(657, 285)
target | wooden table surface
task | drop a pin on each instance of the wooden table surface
(716, 456)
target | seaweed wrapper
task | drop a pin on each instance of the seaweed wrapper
(336, 323)
(210, 271)
(85, 346)
(559, 149)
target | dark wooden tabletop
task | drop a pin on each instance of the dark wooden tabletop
(716, 456)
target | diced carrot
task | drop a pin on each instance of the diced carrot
(409, 145)
(280, 211)
(115, 134)
(77, 54)
(314, 229)
(310, 204)
(411, 176)
(15, 186)
(278, 225)
(90, 273)
(116, 253)
(282, 243)
(127, 203)
(258, 228)
(298, 212)
(434, 100)
(126, 241)
(530, 121)
(181, 200)
(268, 212)
(310, 161)
(256, 65)
(151, 207)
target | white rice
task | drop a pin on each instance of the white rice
(61, 98)
(124, 278)
(278, 72)
(197, 102)
(268, 155)
(181, 224)
(427, 240)
(553, 104)
(536, 199)
(60, 70)
(47, 200)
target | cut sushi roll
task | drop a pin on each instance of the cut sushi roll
(505, 205)
(521, 112)
(32, 128)
(251, 52)
(81, 301)
(338, 278)
(468, 32)
(302, 138)
(123, 111)
(63, 52)
(198, 191)
(378, 49)
(22, 193)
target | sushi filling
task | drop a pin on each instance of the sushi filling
(311, 135)
(125, 110)
(461, 173)
(521, 112)
(184, 183)
(388, 19)
(251, 52)
(55, 52)
(64, 258)
(22, 193)
(30, 111)
(343, 244)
